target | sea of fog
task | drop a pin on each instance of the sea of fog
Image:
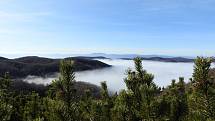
(163, 72)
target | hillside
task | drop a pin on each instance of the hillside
(39, 66)
(26, 88)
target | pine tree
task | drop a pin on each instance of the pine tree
(6, 108)
(201, 76)
(107, 103)
(63, 90)
(202, 100)
(124, 107)
(178, 101)
(33, 109)
(86, 107)
(141, 84)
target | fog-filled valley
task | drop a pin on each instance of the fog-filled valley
(107, 60)
(163, 73)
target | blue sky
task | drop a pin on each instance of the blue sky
(168, 27)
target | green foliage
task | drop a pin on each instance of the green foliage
(178, 101)
(202, 100)
(142, 86)
(141, 101)
(5, 111)
(124, 107)
(33, 109)
(6, 108)
(201, 74)
(63, 90)
(5, 83)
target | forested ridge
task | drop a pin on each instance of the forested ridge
(40, 66)
(143, 100)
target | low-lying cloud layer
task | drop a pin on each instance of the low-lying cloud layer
(114, 76)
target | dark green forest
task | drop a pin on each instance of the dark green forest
(143, 100)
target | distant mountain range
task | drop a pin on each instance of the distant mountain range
(118, 56)
(97, 55)
(39, 66)
(162, 59)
